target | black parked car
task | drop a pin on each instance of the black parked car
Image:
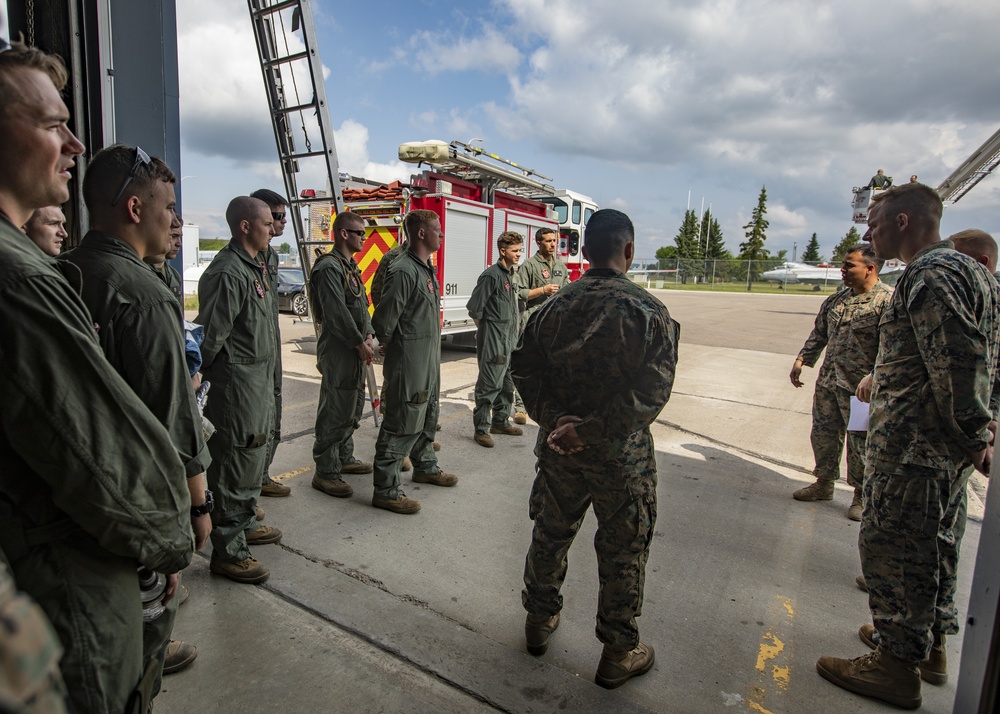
(292, 291)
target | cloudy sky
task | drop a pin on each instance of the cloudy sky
(635, 103)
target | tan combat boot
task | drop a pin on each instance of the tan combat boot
(860, 582)
(259, 512)
(484, 440)
(179, 655)
(616, 668)
(333, 486)
(537, 629)
(274, 489)
(402, 504)
(407, 464)
(856, 507)
(439, 478)
(520, 418)
(933, 670)
(249, 570)
(822, 490)
(877, 674)
(508, 429)
(356, 466)
(264, 535)
(436, 445)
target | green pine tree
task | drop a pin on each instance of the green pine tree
(686, 240)
(811, 253)
(752, 249)
(849, 241)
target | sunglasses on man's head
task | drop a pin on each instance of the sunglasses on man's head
(141, 157)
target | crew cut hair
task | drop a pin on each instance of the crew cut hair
(608, 232)
(108, 169)
(415, 220)
(544, 231)
(21, 56)
(867, 254)
(975, 243)
(271, 198)
(916, 200)
(509, 238)
(344, 219)
(244, 208)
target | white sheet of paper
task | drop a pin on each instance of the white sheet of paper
(859, 415)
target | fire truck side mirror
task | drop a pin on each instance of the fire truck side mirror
(574, 242)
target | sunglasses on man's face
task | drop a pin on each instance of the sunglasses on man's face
(141, 157)
(355, 231)
(277, 216)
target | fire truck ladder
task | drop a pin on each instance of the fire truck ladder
(476, 164)
(972, 171)
(286, 43)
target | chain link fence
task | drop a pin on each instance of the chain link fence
(776, 276)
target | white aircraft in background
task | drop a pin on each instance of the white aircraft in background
(822, 274)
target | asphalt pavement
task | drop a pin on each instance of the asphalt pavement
(375, 612)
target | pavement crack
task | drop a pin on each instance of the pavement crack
(737, 401)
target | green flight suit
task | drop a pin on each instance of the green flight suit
(536, 272)
(378, 280)
(340, 309)
(137, 325)
(238, 353)
(494, 306)
(90, 484)
(270, 257)
(408, 322)
(175, 284)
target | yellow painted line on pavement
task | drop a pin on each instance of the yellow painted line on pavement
(773, 658)
(293, 474)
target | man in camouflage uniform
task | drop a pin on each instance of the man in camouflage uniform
(90, 481)
(344, 347)
(29, 654)
(139, 330)
(408, 322)
(238, 359)
(278, 207)
(932, 408)
(493, 307)
(847, 326)
(538, 279)
(595, 366)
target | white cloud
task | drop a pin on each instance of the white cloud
(435, 52)
(352, 150)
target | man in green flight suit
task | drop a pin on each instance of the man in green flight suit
(278, 207)
(167, 273)
(344, 347)
(137, 325)
(596, 365)
(90, 484)
(538, 279)
(493, 307)
(408, 322)
(238, 359)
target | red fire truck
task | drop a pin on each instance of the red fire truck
(477, 196)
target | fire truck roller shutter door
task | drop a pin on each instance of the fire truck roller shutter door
(466, 232)
(525, 230)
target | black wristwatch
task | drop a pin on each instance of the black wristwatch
(204, 508)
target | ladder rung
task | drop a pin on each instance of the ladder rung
(303, 155)
(298, 108)
(271, 9)
(270, 64)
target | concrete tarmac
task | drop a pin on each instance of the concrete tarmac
(746, 588)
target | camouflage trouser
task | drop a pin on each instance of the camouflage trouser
(91, 597)
(622, 488)
(830, 415)
(341, 404)
(407, 429)
(518, 403)
(911, 534)
(494, 391)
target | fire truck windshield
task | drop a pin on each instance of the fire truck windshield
(561, 209)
